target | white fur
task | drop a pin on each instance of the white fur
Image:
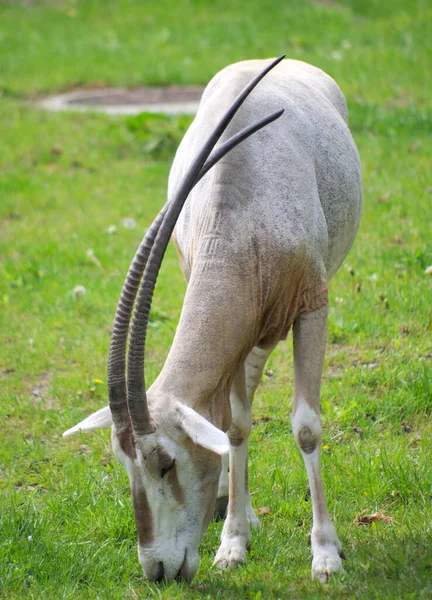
(235, 538)
(170, 522)
(305, 415)
(325, 544)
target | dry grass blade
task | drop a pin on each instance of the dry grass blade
(364, 519)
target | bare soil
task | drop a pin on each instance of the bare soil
(147, 95)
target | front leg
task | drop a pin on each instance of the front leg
(235, 539)
(310, 334)
(254, 366)
(223, 494)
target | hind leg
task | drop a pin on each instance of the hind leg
(254, 366)
(310, 335)
(235, 538)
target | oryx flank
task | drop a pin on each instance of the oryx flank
(259, 237)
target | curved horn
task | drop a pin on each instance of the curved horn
(117, 353)
(136, 393)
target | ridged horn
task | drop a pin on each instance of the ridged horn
(136, 393)
(117, 353)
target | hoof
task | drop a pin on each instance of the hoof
(231, 554)
(325, 565)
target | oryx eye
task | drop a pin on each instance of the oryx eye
(167, 467)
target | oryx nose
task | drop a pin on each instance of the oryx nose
(181, 574)
(160, 573)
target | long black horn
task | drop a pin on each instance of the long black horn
(117, 354)
(136, 393)
(236, 139)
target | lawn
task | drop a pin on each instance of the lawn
(66, 526)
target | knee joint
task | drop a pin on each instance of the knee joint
(306, 428)
(306, 439)
(241, 425)
(238, 433)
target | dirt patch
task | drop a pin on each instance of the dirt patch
(40, 390)
(172, 99)
(333, 372)
(4, 373)
(337, 353)
(148, 95)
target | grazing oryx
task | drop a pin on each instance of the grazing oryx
(259, 238)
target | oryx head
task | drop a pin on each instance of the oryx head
(173, 475)
(170, 452)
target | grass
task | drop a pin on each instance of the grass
(66, 520)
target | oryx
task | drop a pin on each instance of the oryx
(259, 237)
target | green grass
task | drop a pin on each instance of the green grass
(67, 528)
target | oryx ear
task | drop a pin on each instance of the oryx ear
(98, 420)
(201, 431)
